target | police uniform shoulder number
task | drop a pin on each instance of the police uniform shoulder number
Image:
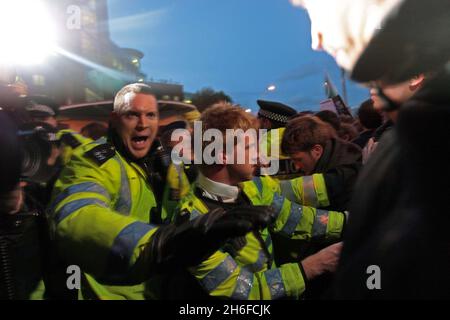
(100, 154)
(70, 140)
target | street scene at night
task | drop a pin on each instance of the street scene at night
(216, 153)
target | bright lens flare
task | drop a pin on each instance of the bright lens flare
(27, 34)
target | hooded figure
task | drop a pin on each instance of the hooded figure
(397, 243)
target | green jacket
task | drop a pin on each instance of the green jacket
(247, 275)
(177, 186)
(101, 210)
(70, 140)
(286, 167)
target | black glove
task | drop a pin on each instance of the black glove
(193, 241)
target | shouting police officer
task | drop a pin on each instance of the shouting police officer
(102, 206)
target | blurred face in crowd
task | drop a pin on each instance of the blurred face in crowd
(398, 93)
(49, 120)
(264, 123)
(11, 202)
(137, 125)
(54, 155)
(243, 172)
(307, 160)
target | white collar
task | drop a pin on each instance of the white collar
(217, 190)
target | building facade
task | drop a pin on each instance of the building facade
(88, 65)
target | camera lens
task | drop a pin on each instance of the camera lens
(35, 153)
(36, 150)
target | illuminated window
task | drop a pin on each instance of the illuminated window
(38, 80)
(89, 23)
(136, 63)
(86, 43)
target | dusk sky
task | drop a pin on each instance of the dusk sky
(238, 46)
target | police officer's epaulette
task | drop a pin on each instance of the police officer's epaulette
(70, 140)
(101, 153)
(182, 217)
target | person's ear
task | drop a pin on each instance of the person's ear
(416, 82)
(317, 151)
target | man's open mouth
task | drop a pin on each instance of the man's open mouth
(139, 140)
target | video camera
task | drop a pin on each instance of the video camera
(25, 153)
(35, 141)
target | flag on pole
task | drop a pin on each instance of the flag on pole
(330, 88)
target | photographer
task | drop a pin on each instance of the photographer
(31, 156)
(20, 252)
(10, 192)
(44, 110)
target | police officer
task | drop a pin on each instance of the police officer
(102, 205)
(45, 109)
(177, 176)
(244, 268)
(273, 116)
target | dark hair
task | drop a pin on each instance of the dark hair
(348, 130)
(303, 133)
(368, 116)
(94, 130)
(330, 117)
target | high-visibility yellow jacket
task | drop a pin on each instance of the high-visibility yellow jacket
(70, 140)
(272, 141)
(247, 274)
(101, 210)
(177, 186)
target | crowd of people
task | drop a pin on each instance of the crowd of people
(350, 193)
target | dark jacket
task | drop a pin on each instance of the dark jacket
(340, 163)
(399, 217)
(363, 138)
(381, 130)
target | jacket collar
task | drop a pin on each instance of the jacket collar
(216, 190)
(336, 153)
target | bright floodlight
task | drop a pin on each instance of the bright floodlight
(27, 34)
(271, 88)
